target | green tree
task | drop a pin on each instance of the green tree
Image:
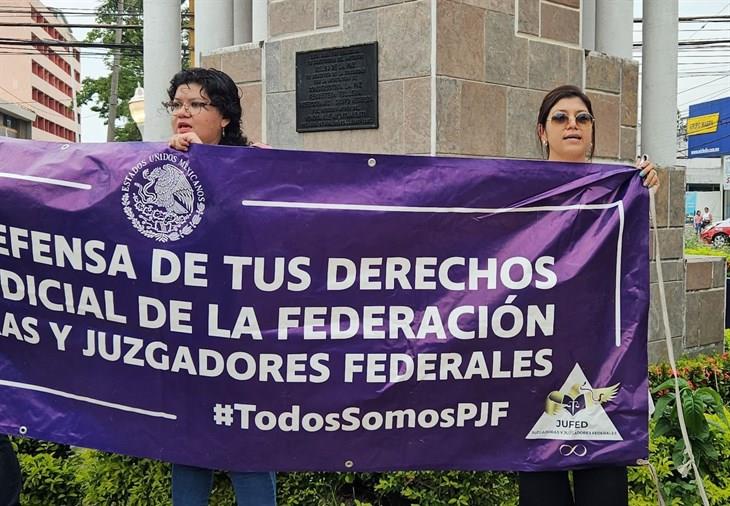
(96, 92)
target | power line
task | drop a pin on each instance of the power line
(700, 85)
(44, 8)
(71, 25)
(48, 43)
(694, 42)
(686, 19)
(66, 11)
(43, 113)
(704, 97)
(708, 63)
(19, 11)
(97, 56)
(699, 72)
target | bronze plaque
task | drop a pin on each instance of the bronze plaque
(337, 89)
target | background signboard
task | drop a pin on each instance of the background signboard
(690, 205)
(708, 129)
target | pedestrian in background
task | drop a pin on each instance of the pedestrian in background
(706, 218)
(698, 222)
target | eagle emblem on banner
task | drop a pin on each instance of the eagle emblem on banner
(164, 203)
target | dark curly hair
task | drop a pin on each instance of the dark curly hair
(223, 94)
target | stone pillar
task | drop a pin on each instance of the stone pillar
(213, 26)
(705, 310)
(670, 229)
(659, 81)
(259, 20)
(161, 62)
(242, 21)
(588, 18)
(614, 27)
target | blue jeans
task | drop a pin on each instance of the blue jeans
(191, 487)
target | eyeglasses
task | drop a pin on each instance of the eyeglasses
(193, 108)
(582, 119)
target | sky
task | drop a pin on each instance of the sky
(702, 74)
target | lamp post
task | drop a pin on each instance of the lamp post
(136, 108)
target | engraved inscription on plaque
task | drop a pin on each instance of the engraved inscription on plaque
(337, 89)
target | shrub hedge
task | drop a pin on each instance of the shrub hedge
(61, 476)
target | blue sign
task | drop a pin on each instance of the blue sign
(708, 129)
(690, 204)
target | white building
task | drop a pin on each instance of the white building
(705, 187)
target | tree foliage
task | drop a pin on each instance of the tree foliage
(96, 92)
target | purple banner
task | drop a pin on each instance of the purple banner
(253, 309)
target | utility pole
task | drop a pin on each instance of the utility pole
(659, 81)
(114, 86)
(191, 34)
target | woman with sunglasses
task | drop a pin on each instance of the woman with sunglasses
(206, 109)
(566, 130)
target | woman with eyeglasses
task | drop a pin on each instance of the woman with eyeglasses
(206, 109)
(566, 130)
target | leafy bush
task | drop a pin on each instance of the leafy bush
(113, 479)
(718, 486)
(677, 490)
(404, 488)
(697, 405)
(706, 419)
(702, 371)
(458, 488)
(642, 489)
(49, 474)
(63, 476)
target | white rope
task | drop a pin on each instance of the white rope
(690, 460)
(654, 478)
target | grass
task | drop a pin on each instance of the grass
(693, 246)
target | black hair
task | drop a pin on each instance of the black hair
(222, 93)
(556, 95)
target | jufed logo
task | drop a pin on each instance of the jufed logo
(163, 197)
(576, 411)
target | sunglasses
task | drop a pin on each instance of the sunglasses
(582, 119)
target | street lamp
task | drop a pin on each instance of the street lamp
(136, 108)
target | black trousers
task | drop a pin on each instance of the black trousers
(600, 486)
(10, 480)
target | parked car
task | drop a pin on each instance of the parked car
(717, 234)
